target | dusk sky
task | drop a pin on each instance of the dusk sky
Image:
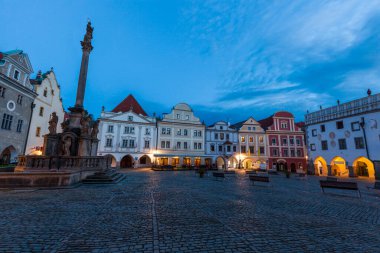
(227, 59)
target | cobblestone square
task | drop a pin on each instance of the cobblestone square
(179, 212)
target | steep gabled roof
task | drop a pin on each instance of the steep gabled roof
(266, 123)
(130, 103)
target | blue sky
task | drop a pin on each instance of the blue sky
(228, 59)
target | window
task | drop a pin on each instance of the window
(242, 139)
(261, 139)
(227, 136)
(178, 145)
(292, 153)
(323, 128)
(147, 131)
(2, 91)
(216, 136)
(275, 152)
(124, 144)
(178, 116)
(195, 145)
(242, 148)
(179, 131)
(168, 131)
(131, 143)
(250, 139)
(285, 151)
(110, 129)
(342, 144)
(187, 117)
(19, 125)
(324, 145)
(251, 149)
(284, 141)
(298, 141)
(284, 125)
(109, 142)
(262, 151)
(212, 148)
(38, 131)
(185, 132)
(222, 136)
(312, 147)
(249, 128)
(314, 132)
(130, 118)
(234, 148)
(45, 92)
(253, 128)
(355, 126)
(197, 133)
(185, 145)
(7, 122)
(291, 141)
(165, 131)
(41, 111)
(199, 145)
(16, 75)
(19, 99)
(220, 148)
(299, 154)
(228, 148)
(221, 127)
(273, 141)
(359, 142)
(162, 144)
(339, 125)
(167, 144)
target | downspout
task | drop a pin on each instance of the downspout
(30, 123)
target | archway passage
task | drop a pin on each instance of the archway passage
(126, 162)
(8, 155)
(112, 159)
(282, 166)
(248, 164)
(338, 167)
(145, 160)
(232, 162)
(320, 166)
(220, 163)
(208, 162)
(364, 168)
(293, 167)
(197, 162)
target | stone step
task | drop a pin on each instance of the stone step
(109, 177)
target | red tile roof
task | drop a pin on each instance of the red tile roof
(266, 123)
(283, 114)
(130, 103)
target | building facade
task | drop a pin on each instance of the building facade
(222, 144)
(252, 145)
(128, 135)
(48, 101)
(285, 138)
(16, 104)
(181, 138)
(344, 140)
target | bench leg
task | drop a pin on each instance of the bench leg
(360, 195)
(323, 190)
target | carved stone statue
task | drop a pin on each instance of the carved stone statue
(85, 123)
(95, 129)
(53, 123)
(86, 43)
(66, 145)
(65, 125)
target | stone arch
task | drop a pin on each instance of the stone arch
(364, 167)
(320, 166)
(127, 162)
(8, 155)
(248, 163)
(282, 165)
(220, 163)
(293, 167)
(112, 159)
(145, 160)
(339, 167)
(233, 162)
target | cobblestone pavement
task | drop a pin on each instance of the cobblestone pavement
(179, 212)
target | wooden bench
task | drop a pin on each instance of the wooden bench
(218, 175)
(333, 179)
(376, 186)
(250, 172)
(231, 172)
(353, 186)
(255, 178)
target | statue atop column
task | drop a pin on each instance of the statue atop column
(53, 123)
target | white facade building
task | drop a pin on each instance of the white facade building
(253, 145)
(222, 145)
(48, 101)
(344, 140)
(128, 135)
(181, 138)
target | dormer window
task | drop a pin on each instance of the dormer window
(130, 118)
(284, 125)
(178, 116)
(45, 92)
(16, 74)
(19, 99)
(187, 117)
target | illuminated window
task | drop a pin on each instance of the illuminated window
(38, 131)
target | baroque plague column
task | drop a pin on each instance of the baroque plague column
(73, 150)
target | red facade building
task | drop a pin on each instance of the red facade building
(286, 145)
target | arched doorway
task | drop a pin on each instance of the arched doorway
(282, 165)
(338, 167)
(8, 155)
(220, 164)
(320, 166)
(112, 159)
(364, 168)
(208, 162)
(126, 162)
(145, 161)
(232, 162)
(248, 164)
(293, 167)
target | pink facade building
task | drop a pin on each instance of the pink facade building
(285, 142)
